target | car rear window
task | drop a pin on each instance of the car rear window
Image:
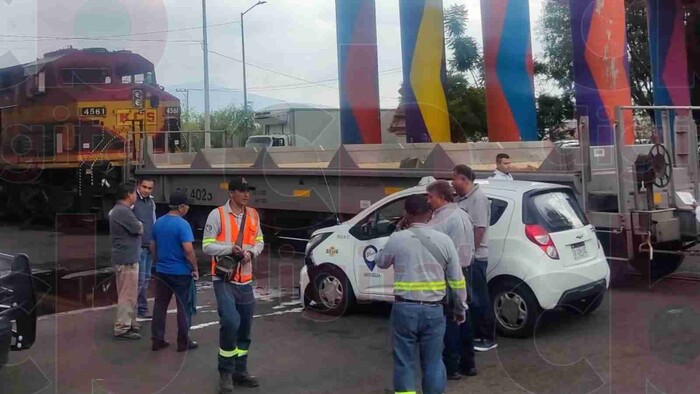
(555, 211)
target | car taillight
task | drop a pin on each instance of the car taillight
(540, 237)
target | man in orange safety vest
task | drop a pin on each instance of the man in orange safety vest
(233, 237)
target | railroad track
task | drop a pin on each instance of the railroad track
(680, 276)
(692, 277)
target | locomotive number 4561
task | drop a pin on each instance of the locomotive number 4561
(93, 111)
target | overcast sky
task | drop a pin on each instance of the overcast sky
(292, 37)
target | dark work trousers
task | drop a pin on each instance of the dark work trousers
(235, 304)
(459, 342)
(166, 285)
(483, 318)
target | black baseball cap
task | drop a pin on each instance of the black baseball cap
(179, 198)
(239, 183)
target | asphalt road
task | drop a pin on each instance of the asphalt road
(644, 338)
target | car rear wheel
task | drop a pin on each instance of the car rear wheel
(333, 292)
(516, 309)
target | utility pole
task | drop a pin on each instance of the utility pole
(187, 111)
(187, 99)
(245, 86)
(207, 120)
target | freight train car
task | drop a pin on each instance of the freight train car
(69, 124)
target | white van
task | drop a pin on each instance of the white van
(543, 253)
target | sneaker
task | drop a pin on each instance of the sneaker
(159, 344)
(129, 335)
(484, 345)
(245, 380)
(190, 345)
(454, 376)
(145, 315)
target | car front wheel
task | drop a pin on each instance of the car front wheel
(333, 292)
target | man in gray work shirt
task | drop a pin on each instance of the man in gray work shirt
(453, 221)
(474, 201)
(426, 267)
(125, 232)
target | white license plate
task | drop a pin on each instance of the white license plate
(579, 250)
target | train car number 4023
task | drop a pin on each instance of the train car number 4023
(196, 193)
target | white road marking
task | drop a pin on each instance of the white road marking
(213, 323)
(287, 304)
(264, 297)
(76, 312)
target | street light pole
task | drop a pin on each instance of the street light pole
(245, 83)
(207, 120)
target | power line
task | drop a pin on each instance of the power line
(100, 39)
(113, 35)
(302, 85)
(312, 83)
(269, 70)
(306, 83)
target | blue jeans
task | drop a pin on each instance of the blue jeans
(459, 342)
(145, 264)
(421, 327)
(235, 305)
(483, 318)
(166, 286)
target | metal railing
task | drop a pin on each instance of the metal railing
(219, 139)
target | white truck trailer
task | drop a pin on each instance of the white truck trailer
(286, 125)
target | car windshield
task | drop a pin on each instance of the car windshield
(258, 142)
(555, 211)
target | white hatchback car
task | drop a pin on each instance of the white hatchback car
(543, 253)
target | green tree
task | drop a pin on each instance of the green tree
(552, 112)
(466, 98)
(230, 126)
(638, 49)
(467, 108)
(466, 55)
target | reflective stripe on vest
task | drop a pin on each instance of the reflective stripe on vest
(420, 286)
(228, 235)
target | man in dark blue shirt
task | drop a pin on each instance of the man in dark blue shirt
(176, 270)
(145, 212)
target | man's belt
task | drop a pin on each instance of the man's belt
(401, 299)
